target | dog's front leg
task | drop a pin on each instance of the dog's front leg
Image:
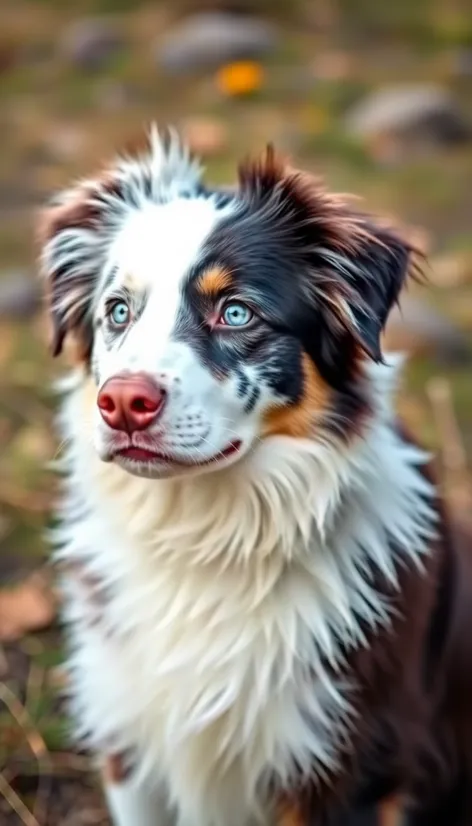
(131, 802)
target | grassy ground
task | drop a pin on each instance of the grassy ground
(57, 122)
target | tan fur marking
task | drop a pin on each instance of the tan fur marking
(214, 281)
(298, 419)
(391, 812)
(289, 814)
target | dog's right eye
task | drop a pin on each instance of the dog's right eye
(119, 314)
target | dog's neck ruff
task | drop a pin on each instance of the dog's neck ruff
(233, 598)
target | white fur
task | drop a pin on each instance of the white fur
(82, 254)
(227, 594)
(157, 246)
(132, 804)
(152, 236)
(232, 596)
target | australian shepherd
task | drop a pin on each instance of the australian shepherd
(266, 621)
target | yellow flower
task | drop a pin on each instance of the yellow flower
(240, 78)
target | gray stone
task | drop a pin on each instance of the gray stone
(425, 112)
(416, 327)
(113, 96)
(20, 296)
(206, 41)
(89, 43)
(462, 63)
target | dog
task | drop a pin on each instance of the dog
(267, 619)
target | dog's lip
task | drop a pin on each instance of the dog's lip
(141, 454)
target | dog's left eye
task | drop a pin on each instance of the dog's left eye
(119, 314)
(236, 314)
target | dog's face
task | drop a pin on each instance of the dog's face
(209, 320)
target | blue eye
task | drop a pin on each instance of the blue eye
(236, 315)
(119, 314)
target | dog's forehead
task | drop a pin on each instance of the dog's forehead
(160, 243)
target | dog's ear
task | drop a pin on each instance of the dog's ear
(351, 268)
(70, 238)
(364, 282)
(74, 232)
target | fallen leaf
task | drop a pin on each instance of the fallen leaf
(241, 78)
(29, 606)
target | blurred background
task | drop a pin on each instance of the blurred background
(375, 96)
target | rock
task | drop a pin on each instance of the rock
(209, 40)
(20, 296)
(462, 63)
(425, 113)
(113, 96)
(416, 327)
(90, 42)
(205, 136)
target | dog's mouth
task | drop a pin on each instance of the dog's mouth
(147, 456)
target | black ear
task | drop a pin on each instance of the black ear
(361, 286)
(349, 268)
(375, 275)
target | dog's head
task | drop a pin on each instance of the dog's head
(210, 320)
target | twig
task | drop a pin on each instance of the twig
(63, 764)
(454, 456)
(38, 747)
(67, 761)
(3, 663)
(16, 803)
(453, 451)
(33, 687)
(21, 716)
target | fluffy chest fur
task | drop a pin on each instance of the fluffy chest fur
(229, 603)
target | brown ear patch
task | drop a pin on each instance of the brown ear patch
(115, 769)
(80, 209)
(76, 211)
(290, 813)
(331, 214)
(214, 281)
(392, 812)
(262, 173)
(298, 419)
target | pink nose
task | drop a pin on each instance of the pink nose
(130, 403)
